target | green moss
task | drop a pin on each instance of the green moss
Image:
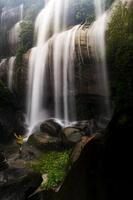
(119, 55)
(26, 40)
(54, 165)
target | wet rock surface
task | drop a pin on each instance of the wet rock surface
(43, 141)
(18, 183)
(51, 127)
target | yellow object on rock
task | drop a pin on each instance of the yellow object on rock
(19, 139)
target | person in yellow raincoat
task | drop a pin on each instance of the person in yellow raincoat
(19, 141)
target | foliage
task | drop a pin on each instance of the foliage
(119, 55)
(33, 7)
(81, 10)
(26, 40)
(54, 164)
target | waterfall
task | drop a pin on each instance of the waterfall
(3, 67)
(10, 72)
(51, 28)
(37, 68)
(99, 7)
(16, 29)
(14, 34)
(50, 21)
(3, 61)
(64, 52)
(21, 12)
(96, 35)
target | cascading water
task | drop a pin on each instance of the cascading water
(10, 72)
(99, 7)
(52, 21)
(52, 18)
(64, 52)
(96, 35)
(16, 29)
(37, 67)
(2, 62)
(14, 34)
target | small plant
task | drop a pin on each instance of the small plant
(53, 166)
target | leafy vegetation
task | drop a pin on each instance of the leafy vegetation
(119, 53)
(26, 39)
(54, 165)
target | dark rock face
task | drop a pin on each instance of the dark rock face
(11, 115)
(117, 159)
(104, 169)
(3, 162)
(11, 121)
(18, 184)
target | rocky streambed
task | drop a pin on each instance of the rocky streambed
(49, 147)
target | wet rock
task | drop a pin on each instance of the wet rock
(77, 130)
(43, 141)
(51, 127)
(18, 184)
(71, 134)
(88, 126)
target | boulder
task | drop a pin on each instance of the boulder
(51, 127)
(18, 183)
(43, 141)
(71, 134)
(77, 130)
